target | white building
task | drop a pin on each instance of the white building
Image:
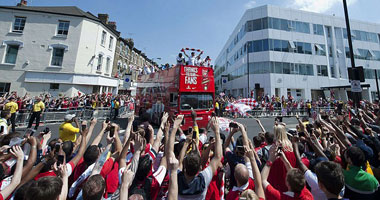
(60, 50)
(295, 52)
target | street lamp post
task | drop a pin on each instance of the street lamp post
(248, 90)
(356, 95)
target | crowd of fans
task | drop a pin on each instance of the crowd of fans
(335, 156)
(286, 106)
(192, 60)
(26, 102)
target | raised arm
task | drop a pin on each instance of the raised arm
(170, 147)
(82, 148)
(103, 157)
(100, 134)
(256, 173)
(17, 152)
(266, 169)
(173, 182)
(261, 125)
(32, 156)
(229, 139)
(215, 161)
(299, 162)
(157, 141)
(129, 128)
(128, 177)
(91, 129)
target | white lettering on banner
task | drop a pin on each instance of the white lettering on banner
(191, 75)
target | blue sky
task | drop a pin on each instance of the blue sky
(160, 28)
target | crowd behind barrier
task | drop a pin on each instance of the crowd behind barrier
(56, 116)
(333, 155)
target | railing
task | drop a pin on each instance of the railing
(262, 113)
(57, 115)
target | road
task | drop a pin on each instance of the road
(253, 128)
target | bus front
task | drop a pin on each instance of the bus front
(197, 92)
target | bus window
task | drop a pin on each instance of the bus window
(196, 101)
(173, 99)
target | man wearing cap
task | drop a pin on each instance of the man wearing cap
(38, 108)
(67, 132)
(12, 107)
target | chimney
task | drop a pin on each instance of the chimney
(103, 18)
(23, 3)
(112, 25)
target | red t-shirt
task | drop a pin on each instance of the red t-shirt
(234, 194)
(213, 190)
(272, 193)
(52, 173)
(277, 174)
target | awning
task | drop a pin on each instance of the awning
(344, 87)
(292, 45)
(319, 48)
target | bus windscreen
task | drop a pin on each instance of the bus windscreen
(197, 101)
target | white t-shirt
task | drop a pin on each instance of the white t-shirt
(207, 175)
(3, 126)
(192, 60)
(180, 61)
(312, 180)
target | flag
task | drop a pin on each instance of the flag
(242, 106)
(224, 124)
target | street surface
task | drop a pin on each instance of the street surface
(252, 126)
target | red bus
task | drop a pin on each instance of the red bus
(177, 90)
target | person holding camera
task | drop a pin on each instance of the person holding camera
(67, 132)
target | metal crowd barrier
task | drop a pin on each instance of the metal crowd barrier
(56, 116)
(262, 113)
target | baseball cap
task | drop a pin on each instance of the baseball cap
(69, 117)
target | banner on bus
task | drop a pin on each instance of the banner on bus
(197, 79)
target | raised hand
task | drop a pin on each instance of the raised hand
(17, 152)
(173, 163)
(93, 121)
(178, 120)
(165, 117)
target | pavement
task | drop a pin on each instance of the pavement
(252, 126)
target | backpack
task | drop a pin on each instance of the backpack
(264, 157)
(141, 188)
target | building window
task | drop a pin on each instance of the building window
(332, 71)
(100, 62)
(57, 58)
(328, 30)
(54, 86)
(63, 28)
(4, 88)
(111, 43)
(103, 41)
(108, 64)
(11, 54)
(322, 70)
(18, 26)
(318, 29)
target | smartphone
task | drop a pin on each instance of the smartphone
(32, 132)
(108, 120)
(194, 134)
(112, 131)
(57, 146)
(60, 159)
(239, 148)
(84, 127)
(233, 125)
(190, 129)
(46, 130)
(1, 129)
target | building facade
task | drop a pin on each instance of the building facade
(128, 64)
(298, 53)
(59, 50)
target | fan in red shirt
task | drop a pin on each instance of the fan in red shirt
(277, 174)
(295, 179)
